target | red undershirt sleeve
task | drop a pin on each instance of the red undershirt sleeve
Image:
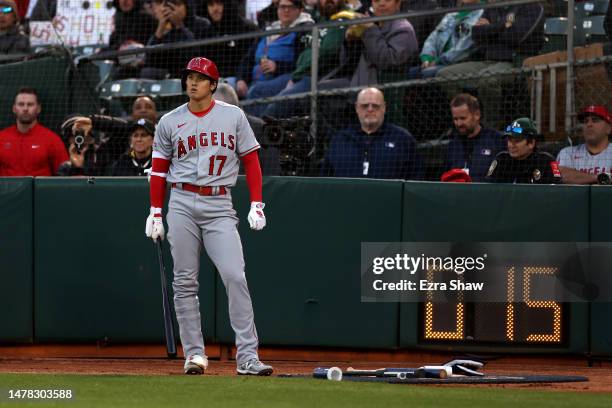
(252, 170)
(157, 186)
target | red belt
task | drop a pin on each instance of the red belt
(201, 190)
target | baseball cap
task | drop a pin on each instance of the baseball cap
(521, 127)
(456, 176)
(146, 124)
(598, 110)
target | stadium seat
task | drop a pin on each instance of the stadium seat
(589, 30)
(591, 8)
(123, 88)
(163, 88)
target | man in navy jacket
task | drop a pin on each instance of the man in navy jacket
(373, 148)
(472, 147)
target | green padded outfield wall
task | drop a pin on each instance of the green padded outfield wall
(16, 315)
(438, 212)
(601, 231)
(97, 276)
(303, 268)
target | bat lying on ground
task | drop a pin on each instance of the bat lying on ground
(454, 368)
(401, 373)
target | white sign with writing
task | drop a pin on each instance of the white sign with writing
(76, 23)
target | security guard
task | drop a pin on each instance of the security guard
(523, 163)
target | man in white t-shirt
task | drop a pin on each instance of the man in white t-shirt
(590, 162)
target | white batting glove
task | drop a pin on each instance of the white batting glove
(155, 226)
(257, 219)
(148, 173)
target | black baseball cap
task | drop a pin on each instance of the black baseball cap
(146, 124)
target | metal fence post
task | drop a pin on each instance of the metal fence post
(314, 78)
(569, 85)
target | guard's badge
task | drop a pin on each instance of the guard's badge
(537, 175)
(492, 168)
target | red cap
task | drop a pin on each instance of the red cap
(598, 110)
(456, 176)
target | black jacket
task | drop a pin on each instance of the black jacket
(134, 25)
(15, 41)
(537, 168)
(227, 55)
(512, 32)
(128, 165)
(174, 61)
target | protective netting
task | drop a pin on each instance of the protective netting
(452, 81)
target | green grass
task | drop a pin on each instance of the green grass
(246, 392)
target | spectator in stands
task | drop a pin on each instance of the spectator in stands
(504, 36)
(133, 28)
(132, 25)
(590, 162)
(450, 42)
(267, 68)
(176, 22)
(387, 47)
(373, 148)
(523, 162)
(144, 107)
(330, 43)
(472, 147)
(113, 132)
(13, 39)
(266, 16)
(28, 148)
(375, 53)
(225, 20)
(268, 155)
(138, 158)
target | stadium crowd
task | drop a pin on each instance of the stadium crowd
(358, 135)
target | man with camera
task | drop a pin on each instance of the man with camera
(28, 148)
(374, 148)
(90, 155)
(590, 162)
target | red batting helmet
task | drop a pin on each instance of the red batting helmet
(202, 65)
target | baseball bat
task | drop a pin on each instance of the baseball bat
(402, 373)
(168, 325)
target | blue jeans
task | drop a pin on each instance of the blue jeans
(265, 88)
(292, 107)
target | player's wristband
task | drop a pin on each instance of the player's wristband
(155, 211)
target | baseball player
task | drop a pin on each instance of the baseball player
(197, 148)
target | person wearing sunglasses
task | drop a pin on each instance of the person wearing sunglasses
(13, 39)
(523, 162)
(373, 148)
(590, 162)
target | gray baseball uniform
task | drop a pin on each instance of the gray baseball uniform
(579, 158)
(204, 150)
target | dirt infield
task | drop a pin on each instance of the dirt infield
(600, 378)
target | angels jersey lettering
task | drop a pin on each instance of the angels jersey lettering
(206, 150)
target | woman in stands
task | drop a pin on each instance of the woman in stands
(267, 67)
